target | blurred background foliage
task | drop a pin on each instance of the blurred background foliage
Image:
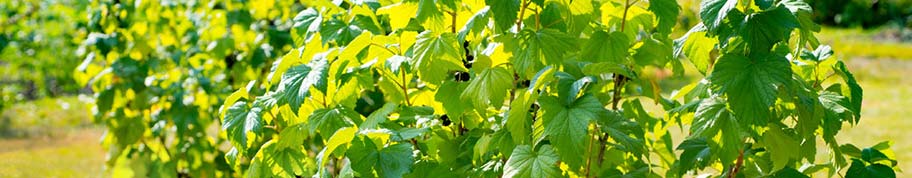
(39, 41)
(863, 13)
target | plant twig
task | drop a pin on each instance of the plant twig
(589, 155)
(453, 26)
(737, 167)
(522, 12)
(620, 79)
(537, 19)
(404, 87)
(618, 85)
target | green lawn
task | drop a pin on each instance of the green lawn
(50, 138)
(76, 155)
(875, 43)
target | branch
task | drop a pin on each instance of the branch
(453, 26)
(404, 87)
(624, 17)
(522, 12)
(274, 127)
(589, 156)
(537, 19)
(737, 167)
(620, 79)
(618, 85)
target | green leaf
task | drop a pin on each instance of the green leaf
(129, 131)
(805, 16)
(635, 19)
(667, 13)
(709, 111)
(447, 92)
(789, 173)
(306, 22)
(653, 52)
(621, 132)
(855, 93)
(391, 161)
(412, 114)
(475, 24)
(356, 46)
(281, 66)
(860, 170)
(341, 137)
(435, 56)
(482, 146)
(488, 88)
(397, 64)
(528, 163)
(297, 81)
(505, 13)
(328, 120)
(712, 119)
(367, 23)
(274, 161)
(781, 147)
(542, 78)
(835, 109)
(424, 168)
(406, 134)
(427, 9)
(872, 155)
(519, 118)
(697, 46)
(579, 7)
(567, 125)
(241, 120)
(553, 14)
(569, 88)
(292, 136)
(697, 154)
(104, 101)
(234, 97)
(822, 52)
(751, 83)
(713, 12)
(596, 69)
(762, 30)
(379, 116)
(338, 31)
(546, 46)
(606, 47)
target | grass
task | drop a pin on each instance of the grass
(44, 117)
(76, 155)
(875, 43)
(50, 138)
